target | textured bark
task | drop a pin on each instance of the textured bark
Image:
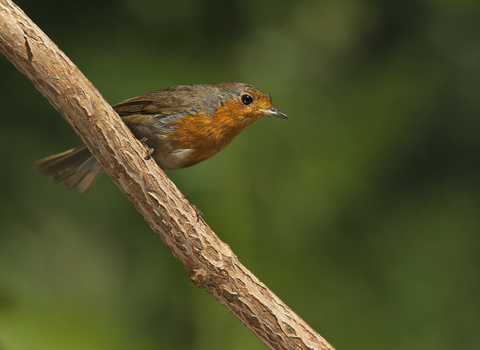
(210, 263)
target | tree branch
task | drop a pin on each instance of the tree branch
(210, 263)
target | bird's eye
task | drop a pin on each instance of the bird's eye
(247, 99)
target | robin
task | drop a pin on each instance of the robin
(180, 126)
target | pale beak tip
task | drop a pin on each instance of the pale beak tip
(273, 112)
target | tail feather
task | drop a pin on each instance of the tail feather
(76, 167)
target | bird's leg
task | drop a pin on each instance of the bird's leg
(147, 149)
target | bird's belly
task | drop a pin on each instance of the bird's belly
(175, 159)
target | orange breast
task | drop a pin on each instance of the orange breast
(208, 135)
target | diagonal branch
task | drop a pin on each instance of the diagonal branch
(210, 263)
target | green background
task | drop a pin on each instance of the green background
(361, 212)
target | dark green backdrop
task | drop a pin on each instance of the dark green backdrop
(361, 212)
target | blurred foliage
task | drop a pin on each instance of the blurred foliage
(362, 211)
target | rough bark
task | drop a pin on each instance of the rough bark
(210, 263)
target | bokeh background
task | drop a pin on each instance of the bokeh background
(361, 212)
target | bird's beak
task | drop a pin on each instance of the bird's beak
(273, 112)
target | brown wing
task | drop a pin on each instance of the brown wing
(161, 102)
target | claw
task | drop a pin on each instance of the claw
(147, 149)
(197, 211)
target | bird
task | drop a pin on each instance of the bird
(180, 126)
